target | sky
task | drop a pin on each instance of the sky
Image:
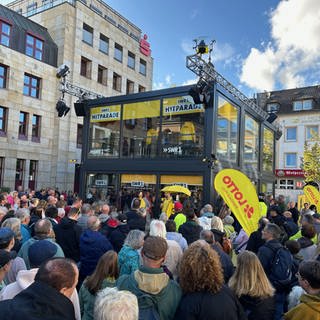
(261, 45)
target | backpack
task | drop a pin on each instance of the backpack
(281, 268)
(151, 312)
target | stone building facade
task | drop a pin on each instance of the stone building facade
(106, 54)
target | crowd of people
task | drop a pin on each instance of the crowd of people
(64, 258)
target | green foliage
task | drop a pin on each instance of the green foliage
(311, 160)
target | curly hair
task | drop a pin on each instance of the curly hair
(200, 269)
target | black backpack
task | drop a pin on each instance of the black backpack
(281, 268)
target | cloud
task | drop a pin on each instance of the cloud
(166, 83)
(291, 58)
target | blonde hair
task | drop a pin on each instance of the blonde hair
(250, 278)
(112, 304)
(15, 225)
(217, 224)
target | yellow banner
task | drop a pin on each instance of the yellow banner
(240, 195)
(312, 195)
(141, 110)
(180, 105)
(106, 113)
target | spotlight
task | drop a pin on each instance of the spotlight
(201, 93)
(202, 47)
(272, 117)
(62, 71)
(62, 108)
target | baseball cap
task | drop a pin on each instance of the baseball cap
(5, 257)
(178, 206)
(122, 217)
(6, 234)
(155, 248)
(41, 251)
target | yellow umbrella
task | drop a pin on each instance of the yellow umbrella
(177, 189)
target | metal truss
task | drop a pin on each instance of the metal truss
(207, 73)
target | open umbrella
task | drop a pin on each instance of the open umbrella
(177, 189)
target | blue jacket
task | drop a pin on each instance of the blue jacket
(92, 246)
(129, 260)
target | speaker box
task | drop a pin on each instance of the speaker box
(79, 108)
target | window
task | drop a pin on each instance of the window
(286, 184)
(20, 167)
(302, 105)
(290, 160)
(130, 87)
(227, 130)
(5, 30)
(23, 125)
(36, 122)
(141, 89)
(116, 83)
(34, 47)
(104, 44)
(251, 143)
(79, 135)
(118, 52)
(85, 68)
(3, 121)
(131, 60)
(273, 107)
(102, 75)
(3, 76)
(31, 86)
(291, 134)
(87, 34)
(33, 171)
(1, 170)
(32, 8)
(312, 132)
(143, 67)
(268, 150)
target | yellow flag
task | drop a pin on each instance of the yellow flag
(240, 195)
(313, 196)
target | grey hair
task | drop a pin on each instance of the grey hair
(134, 239)
(112, 304)
(22, 214)
(15, 225)
(207, 208)
(273, 229)
(216, 223)
(158, 229)
(86, 208)
(93, 223)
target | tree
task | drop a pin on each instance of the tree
(311, 160)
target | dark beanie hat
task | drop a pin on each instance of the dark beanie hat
(41, 251)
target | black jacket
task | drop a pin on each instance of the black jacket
(118, 236)
(255, 241)
(226, 262)
(136, 221)
(38, 302)
(295, 214)
(257, 308)
(206, 306)
(68, 237)
(190, 231)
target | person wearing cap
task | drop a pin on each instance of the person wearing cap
(151, 283)
(38, 253)
(7, 243)
(179, 217)
(48, 297)
(5, 265)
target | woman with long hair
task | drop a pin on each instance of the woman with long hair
(252, 287)
(105, 275)
(204, 294)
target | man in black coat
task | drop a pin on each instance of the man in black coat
(190, 229)
(68, 235)
(136, 219)
(255, 240)
(48, 297)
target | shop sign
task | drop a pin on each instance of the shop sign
(101, 182)
(289, 173)
(180, 105)
(137, 184)
(103, 114)
(145, 46)
(172, 149)
(240, 195)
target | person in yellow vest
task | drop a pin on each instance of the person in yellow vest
(151, 141)
(167, 204)
(262, 204)
(187, 137)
